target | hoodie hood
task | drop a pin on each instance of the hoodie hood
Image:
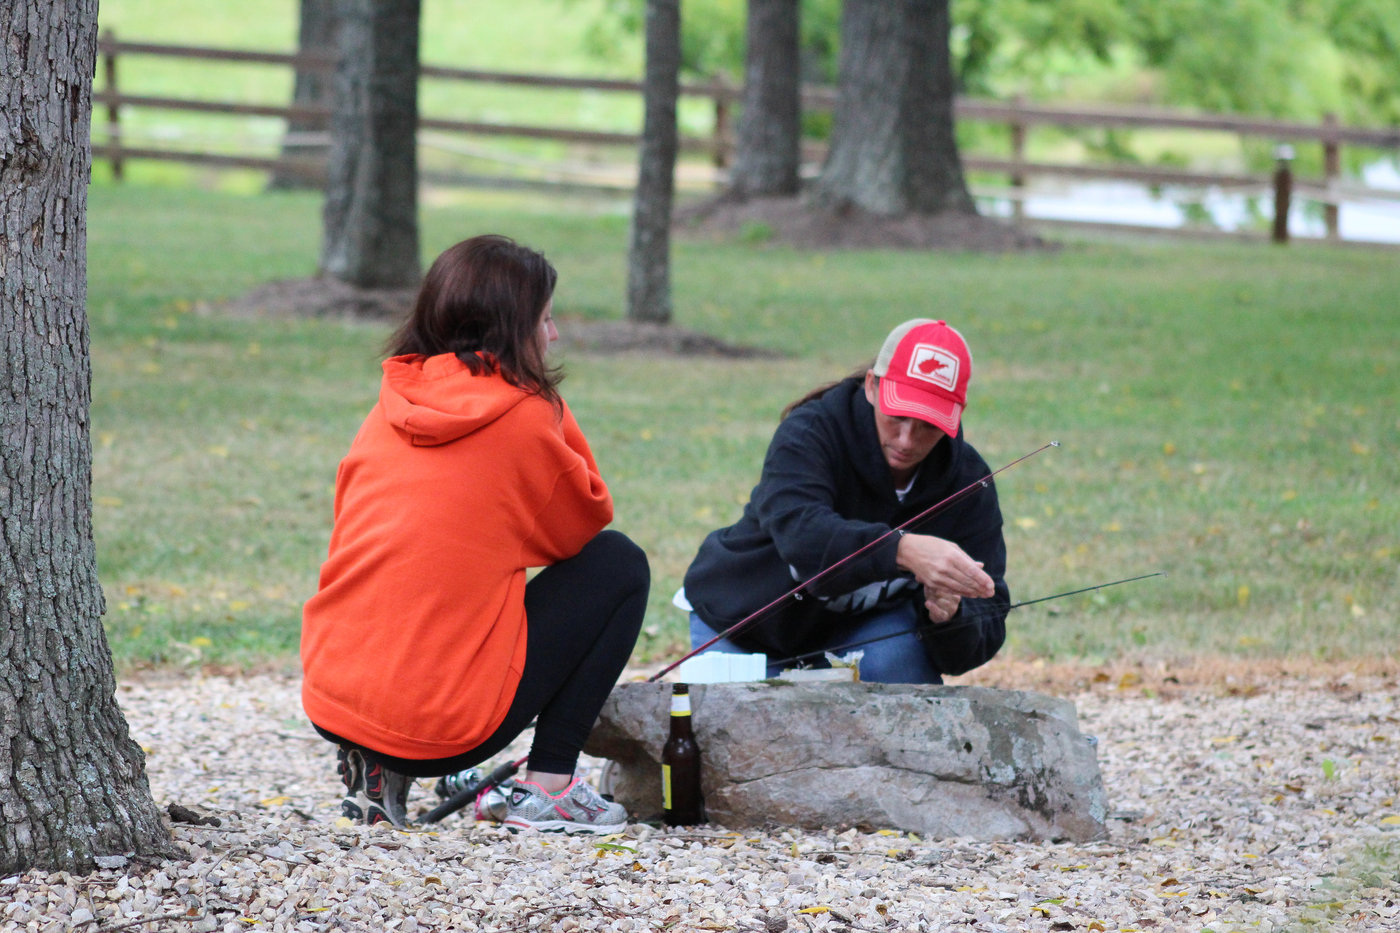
(436, 399)
(854, 419)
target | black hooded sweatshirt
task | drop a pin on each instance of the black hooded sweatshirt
(827, 492)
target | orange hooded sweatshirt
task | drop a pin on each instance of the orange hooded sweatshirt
(414, 643)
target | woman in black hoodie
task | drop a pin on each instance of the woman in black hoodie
(847, 464)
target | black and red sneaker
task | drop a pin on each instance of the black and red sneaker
(374, 794)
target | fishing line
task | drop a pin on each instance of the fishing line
(988, 609)
(925, 514)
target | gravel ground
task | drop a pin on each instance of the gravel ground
(1232, 808)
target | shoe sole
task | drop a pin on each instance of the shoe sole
(368, 812)
(568, 827)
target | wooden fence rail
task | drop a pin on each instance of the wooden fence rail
(1018, 116)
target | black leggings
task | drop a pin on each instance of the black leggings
(582, 617)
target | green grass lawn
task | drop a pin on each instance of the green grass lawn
(1227, 413)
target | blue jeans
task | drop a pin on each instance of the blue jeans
(899, 659)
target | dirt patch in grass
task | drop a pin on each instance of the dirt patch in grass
(622, 336)
(328, 298)
(801, 223)
(320, 297)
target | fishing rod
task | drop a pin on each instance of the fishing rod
(915, 629)
(925, 514)
(473, 790)
(504, 772)
(1087, 589)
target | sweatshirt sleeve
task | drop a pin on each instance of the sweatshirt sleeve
(795, 503)
(978, 630)
(573, 501)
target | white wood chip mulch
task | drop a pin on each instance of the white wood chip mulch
(1259, 810)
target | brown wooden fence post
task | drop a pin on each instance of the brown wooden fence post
(1283, 191)
(1018, 156)
(722, 115)
(1332, 172)
(114, 113)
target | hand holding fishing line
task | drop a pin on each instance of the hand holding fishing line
(941, 606)
(943, 568)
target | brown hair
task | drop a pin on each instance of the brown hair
(482, 300)
(821, 390)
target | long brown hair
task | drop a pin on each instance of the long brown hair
(821, 390)
(482, 300)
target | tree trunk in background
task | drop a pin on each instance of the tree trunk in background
(72, 782)
(316, 36)
(892, 149)
(371, 212)
(649, 256)
(770, 131)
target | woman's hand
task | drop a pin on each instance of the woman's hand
(944, 569)
(941, 606)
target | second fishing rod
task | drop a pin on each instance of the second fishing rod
(919, 630)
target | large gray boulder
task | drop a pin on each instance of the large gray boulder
(935, 760)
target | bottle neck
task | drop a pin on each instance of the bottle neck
(680, 713)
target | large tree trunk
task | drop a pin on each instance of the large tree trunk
(371, 213)
(893, 150)
(312, 88)
(770, 131)
(72, 782)
(649, 256)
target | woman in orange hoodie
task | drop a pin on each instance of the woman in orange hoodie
(425, 650)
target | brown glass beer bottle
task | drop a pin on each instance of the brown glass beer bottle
(682, 804)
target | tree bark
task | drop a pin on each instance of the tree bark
(72, 782)
(769, 158)
(371, 212)
(893, 150)
(312, 87)
(649, 256)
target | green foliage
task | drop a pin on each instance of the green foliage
(821, 39)
(1270, 57)
(1284, 58)
(712, 33)
(1027, 44)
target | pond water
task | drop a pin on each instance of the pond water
(1363, 220)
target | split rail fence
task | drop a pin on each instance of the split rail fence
(1331, 189)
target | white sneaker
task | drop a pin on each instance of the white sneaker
(577, 808)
